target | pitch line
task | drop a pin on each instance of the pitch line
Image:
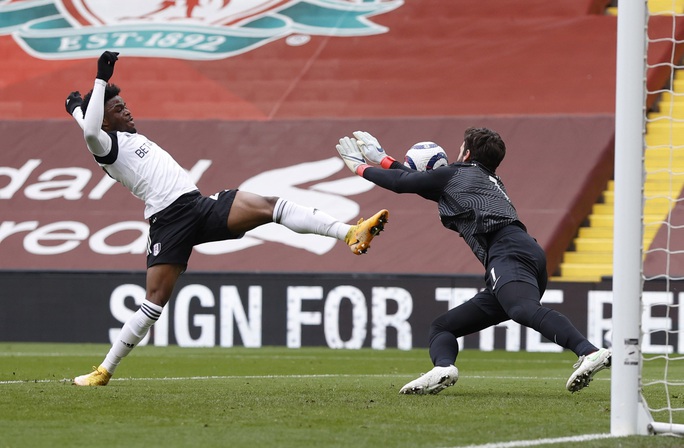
(216, 377)
(421, 357)
(526, 443)
(301, 376)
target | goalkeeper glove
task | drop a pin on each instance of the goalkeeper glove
(105, 65)
(352, 156)
(73, 101)
(372, 150)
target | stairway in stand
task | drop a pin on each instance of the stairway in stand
(591, 255)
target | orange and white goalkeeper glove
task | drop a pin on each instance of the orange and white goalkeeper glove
(372, 150)
(352, 155)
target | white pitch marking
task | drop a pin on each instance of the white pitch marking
(526, 443)
(215, 377)
(331, 375)
(259, 356)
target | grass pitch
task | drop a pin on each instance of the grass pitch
(312, 397)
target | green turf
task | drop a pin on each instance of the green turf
(216, 397)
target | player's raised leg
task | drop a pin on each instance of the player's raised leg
(251, 210)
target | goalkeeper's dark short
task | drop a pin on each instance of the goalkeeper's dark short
(191, 220)
(514, 256)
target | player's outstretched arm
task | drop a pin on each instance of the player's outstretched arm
(352, 155)
(98, 141)
(372, 150)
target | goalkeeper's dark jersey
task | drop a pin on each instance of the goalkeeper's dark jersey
(471, 199)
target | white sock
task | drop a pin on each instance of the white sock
(308, 220)
(133, 331)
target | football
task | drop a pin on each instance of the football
(425, 156)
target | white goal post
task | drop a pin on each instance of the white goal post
(630, 412)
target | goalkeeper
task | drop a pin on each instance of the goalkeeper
(179, 216)
(472, 201)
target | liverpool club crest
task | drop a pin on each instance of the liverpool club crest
(183, 29)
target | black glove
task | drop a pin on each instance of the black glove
(73, 101)
(105, 65)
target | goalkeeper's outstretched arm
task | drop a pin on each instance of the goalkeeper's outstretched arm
(428, 184)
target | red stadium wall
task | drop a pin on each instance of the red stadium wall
(66, 216)
(541, 73)
(436, 58)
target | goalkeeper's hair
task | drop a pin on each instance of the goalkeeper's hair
(111, 90)
(486, 147)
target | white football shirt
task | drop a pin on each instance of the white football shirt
(142, 166)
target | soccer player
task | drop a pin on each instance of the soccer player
(179, 216)
(472, 201)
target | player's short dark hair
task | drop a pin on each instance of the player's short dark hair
(111, 90)
(486, 147)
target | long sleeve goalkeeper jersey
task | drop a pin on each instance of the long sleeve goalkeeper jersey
(471, 199)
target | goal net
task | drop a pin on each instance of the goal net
(647, 380)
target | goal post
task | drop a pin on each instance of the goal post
(627, 251)
(630, 411)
